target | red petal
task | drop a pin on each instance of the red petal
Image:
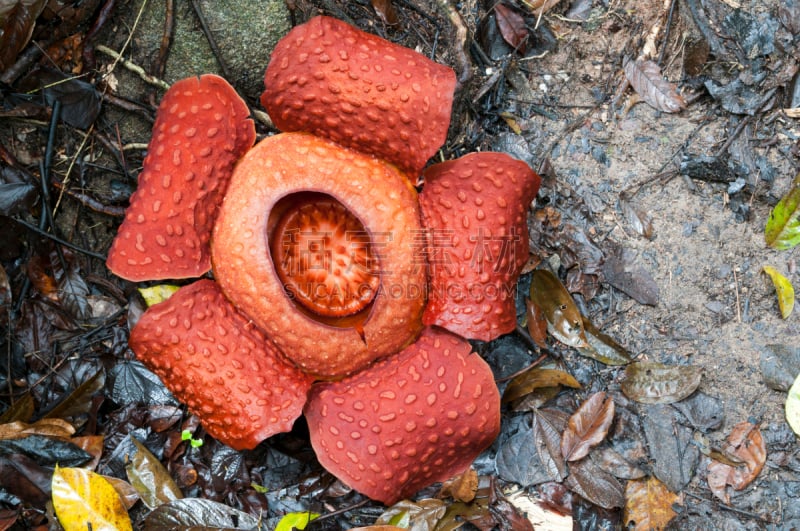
(279, 173)
(411, 420)
(222, 367)
(201, 130)
(333, 80)
(475, 209)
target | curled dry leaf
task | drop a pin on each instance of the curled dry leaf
(564, 320)
(462, 487)
(602, 347)
(648, 504)
(536, 378)
(655, 383)
(746, 443)
(587, 427)
(783, 289)
(646, 79)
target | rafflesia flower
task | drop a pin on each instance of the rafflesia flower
(328, 266)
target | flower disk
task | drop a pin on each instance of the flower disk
(287, 172)
(416, 418)
(217, 363)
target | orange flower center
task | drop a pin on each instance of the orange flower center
(323, 256)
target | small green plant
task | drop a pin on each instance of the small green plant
(186, 435)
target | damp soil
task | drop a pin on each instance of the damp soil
(688, 287)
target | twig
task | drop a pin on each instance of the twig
(56, 239)
(667, 28)
(69, 168)
(211, 40)
(166, 39)
(464, 67)
(133, 67)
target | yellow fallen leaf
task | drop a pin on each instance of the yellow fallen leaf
(159, 293)
(784, 290)
(85, 500)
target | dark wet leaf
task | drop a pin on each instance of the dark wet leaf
(517, 460)
(21, 410)
(535, 378)
(622, 271)
(783, 226)
(640, 221)
(696, 56)
(23, 477)
(73, 292)
(564, 321)
(673, 453)
(17, 20)
(80, 101)
(602, 347)
(646, 79)
(648, 504)
(738, 98)
(79, 401)
(755, 34)
(512, 27)
(16, 197)
(703, 412)
(46, 451)
(150, 479)
(386, 11)
(779, 366)
(133, 383)
(548, 425)
(587, 427)
(655, 383)
(746, 443)
(194, 512)
(595, 484)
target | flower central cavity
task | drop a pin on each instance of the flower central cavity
(323, 256)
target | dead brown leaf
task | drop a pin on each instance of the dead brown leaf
(746, 443)
(646, 79)
(512, 27)
(587, 427)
